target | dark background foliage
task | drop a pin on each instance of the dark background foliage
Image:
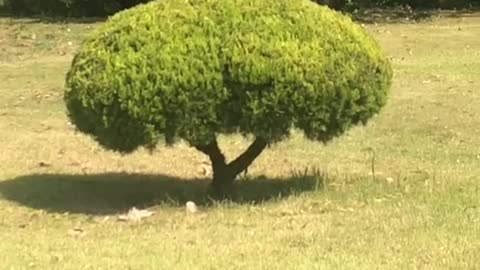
(80, 8)
(69, 8)
(349, 5)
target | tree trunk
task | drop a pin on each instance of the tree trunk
(224, 174)
(223, 178)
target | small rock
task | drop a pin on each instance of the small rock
(76, 232)
(135, 214)
(191, 207)
(390, 180)
(43, 164)
(206, 168)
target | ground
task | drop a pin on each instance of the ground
(402, 192)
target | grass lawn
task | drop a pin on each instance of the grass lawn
(402, 192)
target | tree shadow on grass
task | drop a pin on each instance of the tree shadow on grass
(102, 194)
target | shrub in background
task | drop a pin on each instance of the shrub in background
(108, 7)
(415, 4)
(68, 7)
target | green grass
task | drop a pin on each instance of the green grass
(419, 210)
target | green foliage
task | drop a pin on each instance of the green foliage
(171, 69)
(352, 4)
(68, 7)
(107, 7)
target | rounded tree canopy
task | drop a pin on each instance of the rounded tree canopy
(192, 69)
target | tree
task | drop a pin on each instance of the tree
(176, 69)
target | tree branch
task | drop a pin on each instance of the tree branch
(244, 160)
(213, 152)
